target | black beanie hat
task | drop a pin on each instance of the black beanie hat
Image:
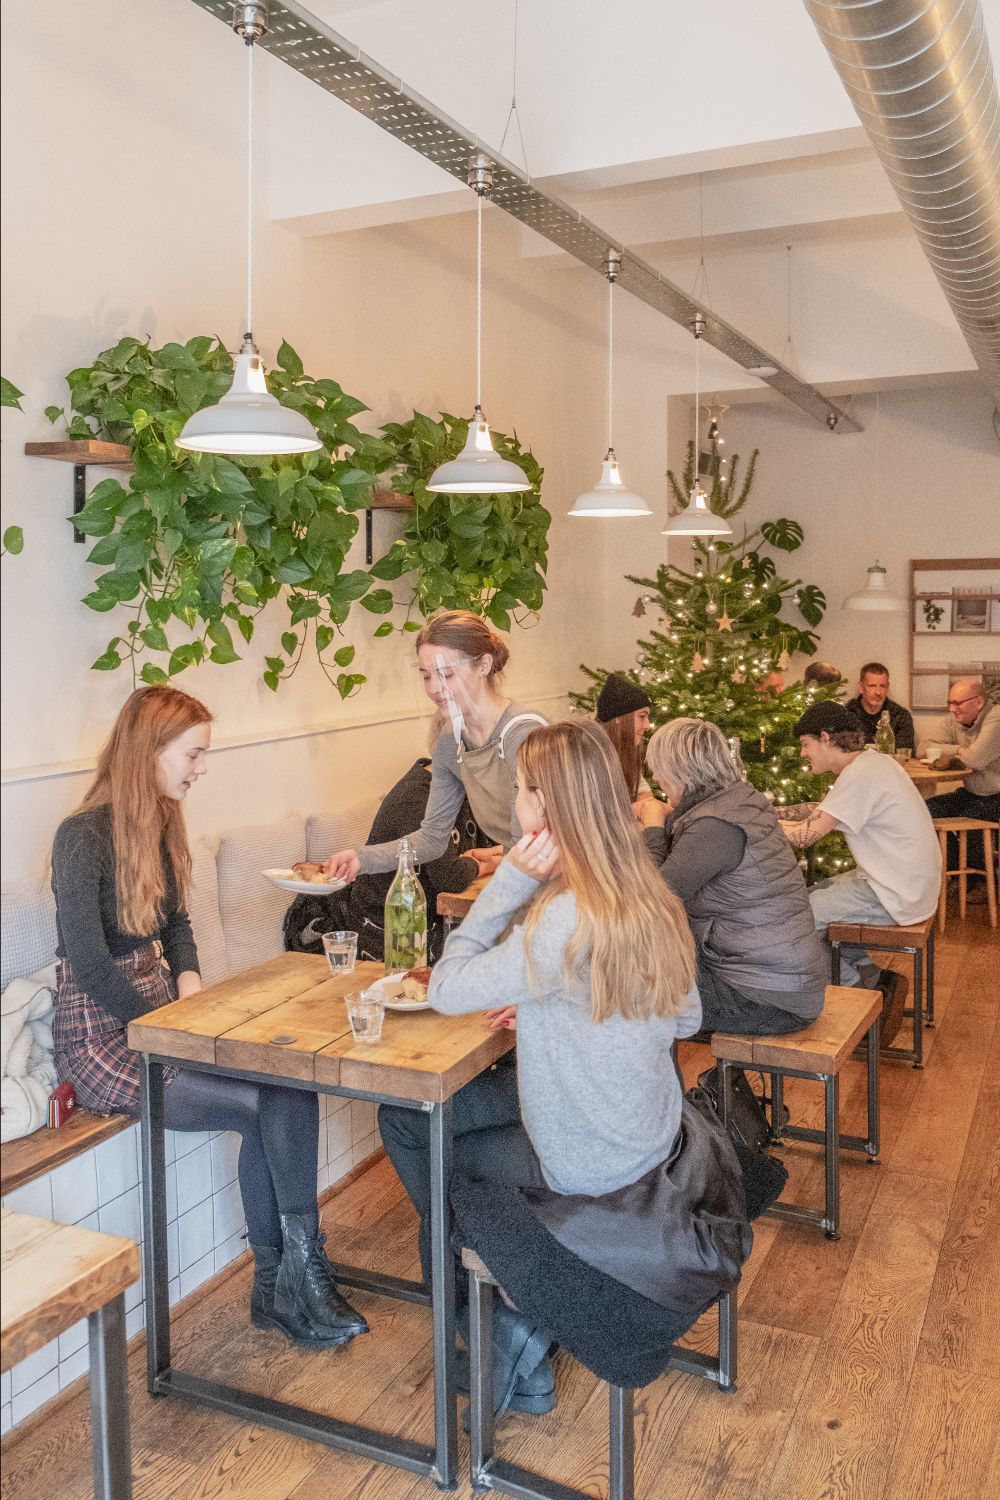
(618, 697)
(833, 718)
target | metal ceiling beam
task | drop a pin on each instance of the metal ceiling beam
(320, 54)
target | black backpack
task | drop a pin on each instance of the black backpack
(309, 917)
(764, 1175)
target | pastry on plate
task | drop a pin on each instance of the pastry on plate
(414, 985)
(310, 872)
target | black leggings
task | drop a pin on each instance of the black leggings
(279, 1154)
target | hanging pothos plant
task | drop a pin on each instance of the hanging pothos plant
(13, 537)
(196, 545)
(486, 553)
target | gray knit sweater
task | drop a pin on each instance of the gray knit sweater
(601, 1103)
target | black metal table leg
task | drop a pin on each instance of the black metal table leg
(154, 1223)
(831, 1092)
(443, 1300)
(109, 1402)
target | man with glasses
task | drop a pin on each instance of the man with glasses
(969, 737)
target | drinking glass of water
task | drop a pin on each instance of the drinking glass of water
(341, 949)
(365, 1011)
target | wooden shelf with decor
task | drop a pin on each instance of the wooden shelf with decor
(941, 609)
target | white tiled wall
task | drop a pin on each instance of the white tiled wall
(205, 1224)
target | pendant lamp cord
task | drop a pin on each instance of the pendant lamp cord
(249, 328)
(697, 401)
(611, 359)
(479, 300)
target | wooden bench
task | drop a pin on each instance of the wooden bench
(33, 1155)
(491, 1473)
(962, 827)
(916, 940)
(818, 1051)
(53, 1275)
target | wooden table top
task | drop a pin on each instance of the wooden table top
(927, 779)
(422, 1055)
(54, 1275)
(456, 904)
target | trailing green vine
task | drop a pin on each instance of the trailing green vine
(196, 545)
(486, 553)
(13, 537)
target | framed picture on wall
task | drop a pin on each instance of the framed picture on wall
(970, 613)
(995, 617)
(930, 690)
(932, 615)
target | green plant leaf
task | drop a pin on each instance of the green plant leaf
(9, 395)
(324, 637)
(155, 637)
(344, 656)
(245, 626)
(384, 629)
(784, 534)
(13, 540)
(394, 564)
(289, 360)
(347, 682)
(109, 659)
(379, 601)
(153, 675)
(289, 642)
(812, 603)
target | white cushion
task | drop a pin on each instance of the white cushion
(252, 909)
(346, 828)
(27, 928)
(203, 909)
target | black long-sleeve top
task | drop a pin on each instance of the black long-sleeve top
(900, 719)
(88, 934)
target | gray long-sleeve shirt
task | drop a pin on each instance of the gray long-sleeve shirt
(486, 774)
(601, 1103)
(978, 746)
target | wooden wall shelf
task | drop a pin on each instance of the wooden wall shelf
(81, 452)
(952, 593)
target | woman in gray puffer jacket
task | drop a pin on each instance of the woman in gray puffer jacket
(721, 850)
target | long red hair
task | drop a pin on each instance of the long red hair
(145, 824)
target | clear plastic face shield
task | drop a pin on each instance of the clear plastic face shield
(455, 685)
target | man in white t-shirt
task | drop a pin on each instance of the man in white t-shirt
(888, 829)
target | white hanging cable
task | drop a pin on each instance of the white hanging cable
(249, 327)
(514, 113)
(788, 354)
(697, 395)
(479, 299)
(611, 360)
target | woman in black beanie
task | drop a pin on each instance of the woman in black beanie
(623, 713)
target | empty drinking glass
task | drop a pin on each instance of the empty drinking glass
(365, 1011)
(341, 949)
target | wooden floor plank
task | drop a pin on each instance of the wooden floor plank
(949, 1437)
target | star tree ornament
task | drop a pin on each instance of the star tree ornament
(724, 622)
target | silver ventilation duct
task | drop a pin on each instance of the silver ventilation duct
(919, 74)
(321, 54)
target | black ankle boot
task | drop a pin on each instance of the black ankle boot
(266, 1261)
(522, 1375)
(307, 1303)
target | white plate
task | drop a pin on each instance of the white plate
(388, 984)
(287, 882)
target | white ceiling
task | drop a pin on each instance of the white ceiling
(648, 117)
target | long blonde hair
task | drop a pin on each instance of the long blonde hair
(145, 824)
(630, 927)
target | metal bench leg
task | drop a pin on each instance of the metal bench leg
(621, 1443)
(835, 963)
(874, 1125)
(722, 1072)
(929, 1018)
(481, 1425)
(777, 1105)
(831, 1151)
(918, 1010)
(109, 1402)
(727, 1342)
(154, 1223)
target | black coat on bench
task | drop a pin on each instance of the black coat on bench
(618, 1279)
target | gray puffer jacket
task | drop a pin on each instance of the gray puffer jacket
(754, 926)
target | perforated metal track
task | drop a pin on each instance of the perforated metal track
(309, 46)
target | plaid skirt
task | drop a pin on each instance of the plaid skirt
(91, 1049)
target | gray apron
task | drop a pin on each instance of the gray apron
(487, 775)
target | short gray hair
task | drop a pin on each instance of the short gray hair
(693, 754)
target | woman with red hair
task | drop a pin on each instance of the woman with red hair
(121, 873)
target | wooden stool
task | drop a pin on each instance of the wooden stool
(490, 1473)
(963, 827)
(53, 1275)
(818, 1051)
(918, 941)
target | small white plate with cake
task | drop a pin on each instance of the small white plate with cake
(405, 990)
(306, 877)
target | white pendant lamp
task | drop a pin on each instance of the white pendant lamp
(697, 518)
(479, 469)
(248, 419)
(609, 497)
(875, 597)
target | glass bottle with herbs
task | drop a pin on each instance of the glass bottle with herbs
(885, 740)
(405, 916)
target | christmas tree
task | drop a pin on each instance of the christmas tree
(726, 630)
